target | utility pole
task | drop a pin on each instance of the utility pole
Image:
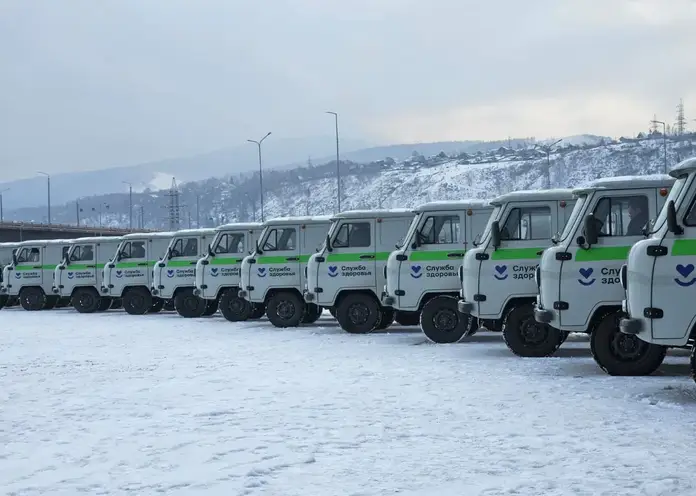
(102, 206)
(48, 179)
(142, 217)
(77, 211)
(2, 219)
(664, 140)
(130, 202)
(253, 206)
(258, 143)
(547, 150)
(307, 192)
(338, 164)
(198, 211)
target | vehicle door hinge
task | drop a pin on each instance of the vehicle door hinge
(656, 251)
(564, 256)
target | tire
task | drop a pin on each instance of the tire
(564, 336)
(157, 305)
(312, 313)
(234, 308)
(285, 309)
(407, 318)
(63, 302)
(85, 300)
(188, 305)
(104, 304)
(526, 337)
(211, 307)
(332, 311)
(116, 304)
(12, 301)
(623, 354)
(3, 301)
(442, 323)
(358, 313)
(51, 302)
(692, 362)
(32, 299)
(258, 310)
(169, 305)
(137, 301)
(386, 318)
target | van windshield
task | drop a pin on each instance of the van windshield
(411, 230)
(673, 196)
(574, 216)
(495, 214)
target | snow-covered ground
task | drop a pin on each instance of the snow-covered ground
(114, 404)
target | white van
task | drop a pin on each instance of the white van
(218, 273)
(498, 288)
(578, 278)
(347, 274)
(659, 278)
(175, 274)
(129, 274)
(275, 273)
(30, 275)
(79, 275)
(423, 273)
(7, 250)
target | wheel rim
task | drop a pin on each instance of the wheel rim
(626, 348)
(137, 302)
(285, 310)
(86, 300)
(236, 305)
(532, 332)
(358, 313)
(445, 320)
(191, 304)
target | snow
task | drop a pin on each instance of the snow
(118, 404)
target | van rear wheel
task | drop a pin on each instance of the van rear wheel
(85, 300)
(188, 305)
(116, 304)
(32, 299)
(104, 304)
(408, 318)
(258, 310)
(312, 313)
(137, 301)
(157, 305)
(3, 301)
(211, 306)
(51, 302)
(358, 313)
(526, 337)
(234, 308)
(623, 354)
(441, 322)
(285, 309)
(386, 318)
(169, 305)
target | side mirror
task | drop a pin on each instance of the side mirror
(328, 243)
(210, 251)
(672, 225)
(170, 253)
(258, 248)
(495, 234)
(590, 228)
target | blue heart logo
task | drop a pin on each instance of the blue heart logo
(586, 273)
(70, 275)
(500, 272)
(170, 273)
(416, 271)
(214, 271)
(18, 275)
(333, 270)
(262, 271)
(685, 271)
(119, 273)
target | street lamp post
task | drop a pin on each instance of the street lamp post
(338, 167)
(48, 179)
(258, 143)
(547, 150)
(664, 140)
(1, 212)
(130, 202)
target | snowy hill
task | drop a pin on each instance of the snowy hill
(386, 183)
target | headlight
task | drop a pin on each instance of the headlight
(623, 276)
(384, 271)
(537, 276)
(461, 273)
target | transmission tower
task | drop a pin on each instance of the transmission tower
(680, 124)
(174, 207)
(653, 124)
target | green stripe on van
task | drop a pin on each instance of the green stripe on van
(516, 253)
(282, 260)
(225, 261)
(20, 268)
(73, 267)
(132, 265)
(601, 253)
(435, 256)
(683, 247)
(355, 257)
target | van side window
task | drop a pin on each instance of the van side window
(133, 249)
(23, 255)
(622, 215)
(690, 218)
(440, 230)
(283, 239)
(185, 247)
(82, 253)
(527, 223)
(353, 235)
(230, 243)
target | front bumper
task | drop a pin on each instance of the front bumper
(465, 307)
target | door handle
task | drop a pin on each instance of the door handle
(193, 263)
(455, 255)
(91, 266)
(363, 257)
(292, 259)
(540, 252)
(142, 264)
(36, 267)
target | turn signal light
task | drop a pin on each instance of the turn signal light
(663, 191)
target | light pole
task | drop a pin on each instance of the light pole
(547, 150)
(1, 213)
(338, 167)
(48, 179)
(130, 202)
(258, 143)
(664, 139)
(198, 211)
(101, 206)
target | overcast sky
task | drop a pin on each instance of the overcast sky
(88, 84)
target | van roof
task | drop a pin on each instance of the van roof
(683, 167)
(453, 205)
(146, 235)
(97, 239)
(534, 195)
(201, 231)
(240, 226)
(282, 221)
(46, 242)
(626, 182)
(374, 214)
(11, 244)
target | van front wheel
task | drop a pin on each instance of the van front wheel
(386, 318)
(441, 322)
(188, 305)
(211, 306)
(86, 300)
(234, 308)
(358, 313)
(258, 310)
(104, 304)
(32, 299)
(285, 309)
(137, 301)
(623, 354)
(526, 337)
(312, 313)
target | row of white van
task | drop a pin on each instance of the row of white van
(535, 265)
